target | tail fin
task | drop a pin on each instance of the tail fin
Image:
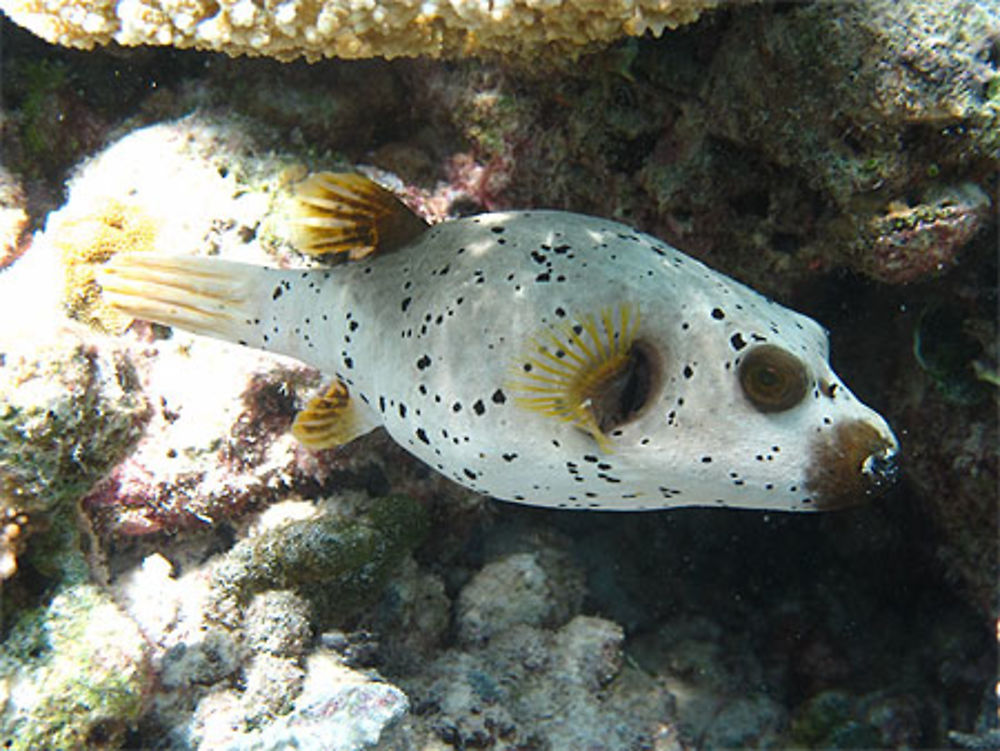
(202, 295)
(348, 213)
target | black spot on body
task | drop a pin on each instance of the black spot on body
(423, 436)
(718, 314)
(406, 303)
(423, 363)
(479, 408)
(498, 397)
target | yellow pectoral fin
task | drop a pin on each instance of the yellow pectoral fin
(594, 374)
(348, 213)
(332, 419)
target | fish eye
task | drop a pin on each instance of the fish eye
(624, 396)
(773, 379)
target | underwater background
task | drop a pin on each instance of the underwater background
(177, 573)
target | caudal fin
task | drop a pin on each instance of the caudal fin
(202, 295)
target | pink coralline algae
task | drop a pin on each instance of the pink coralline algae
(210, 459)
(911, 243)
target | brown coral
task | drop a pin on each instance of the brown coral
(287, 29)
(89, 241)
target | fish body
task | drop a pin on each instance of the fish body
(549, 358)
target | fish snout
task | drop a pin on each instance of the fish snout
(855, 461)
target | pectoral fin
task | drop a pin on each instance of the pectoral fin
(332, 419)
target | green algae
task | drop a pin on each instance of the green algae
(339, 564)
(76, 673)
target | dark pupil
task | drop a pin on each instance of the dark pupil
(768, 378)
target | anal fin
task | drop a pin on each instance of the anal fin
(332, 419)
(348, 213)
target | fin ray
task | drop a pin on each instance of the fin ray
(348, 213)
(571, 388)
(202, 295)
(332, 419)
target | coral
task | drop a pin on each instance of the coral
(68, 413)
(778, 141)
(270, 685)
(531, 687)
(210, 452)
(347, 29)
(909, 243)
(13, 218)
(413, 620)
(340, 563)
(90, 241)
(721, 705)
(940, 392)
(515, 589)
(338, 709)
(277, 622)
(728, 149)
(75, 672)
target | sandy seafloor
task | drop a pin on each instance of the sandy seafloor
(178, 573)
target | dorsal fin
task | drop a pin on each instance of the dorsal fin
(332, 419)
(344, 212)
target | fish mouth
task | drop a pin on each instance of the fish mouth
(881, 469)
(853, 463)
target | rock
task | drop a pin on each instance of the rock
(76, 674)
(338, 709)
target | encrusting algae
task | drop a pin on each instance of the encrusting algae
(544, 357)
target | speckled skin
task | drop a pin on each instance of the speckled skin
(429, 336)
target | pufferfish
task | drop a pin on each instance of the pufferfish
(541, 357)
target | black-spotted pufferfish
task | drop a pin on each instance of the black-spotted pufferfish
(542, 357)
